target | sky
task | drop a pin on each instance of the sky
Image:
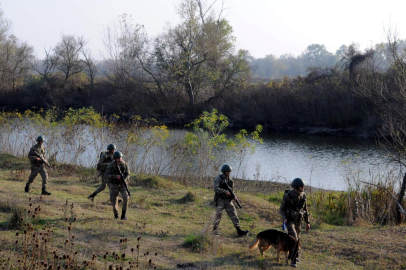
(262, 27)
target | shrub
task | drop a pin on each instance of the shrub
(197, 242)
(16, 221)
(151, 181)
(189, 197)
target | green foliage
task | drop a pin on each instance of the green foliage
(16, 220)
(151, 181)
(87, 116)
(197, 242)
(276, 198)
(330, 207)
(207, 136)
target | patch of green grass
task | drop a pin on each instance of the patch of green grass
(276, 198)
(151, 181)
(197, 242)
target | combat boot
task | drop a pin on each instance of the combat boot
(115, 215)
(91, 197)
(123, 216)
(215, 230)
(45, 192)
(241, 232)
(27, 188)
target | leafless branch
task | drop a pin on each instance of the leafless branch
(400, 207)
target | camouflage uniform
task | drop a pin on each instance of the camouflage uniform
(104, 161)
(224, 202)
(37, 166)
(116, 186)
(294, 210)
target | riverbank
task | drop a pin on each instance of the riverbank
(174, 222)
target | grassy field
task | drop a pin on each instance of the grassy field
(170, 223)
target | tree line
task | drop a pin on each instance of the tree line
(194, 66)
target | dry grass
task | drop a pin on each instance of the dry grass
(164, 221)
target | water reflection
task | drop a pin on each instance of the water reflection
(321, 161)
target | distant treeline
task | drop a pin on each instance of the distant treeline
(194, 66)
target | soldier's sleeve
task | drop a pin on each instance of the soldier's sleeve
(102, 163)
(217, 188)
(109, 172)
(306, 215)
(282, 209)
(31, 155)
(126, 172)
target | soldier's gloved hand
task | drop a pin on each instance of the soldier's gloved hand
(118, 177)
(38, 159)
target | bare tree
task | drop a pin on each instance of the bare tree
(67, 56)
(387, 91)
(90, 66)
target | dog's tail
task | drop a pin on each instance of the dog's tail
(254, 243)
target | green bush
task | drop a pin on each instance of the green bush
(189, 197)
(197, 242)
(150, 181)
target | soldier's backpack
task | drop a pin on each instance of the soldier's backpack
(100, 155)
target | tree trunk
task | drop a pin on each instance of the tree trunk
(400, 199)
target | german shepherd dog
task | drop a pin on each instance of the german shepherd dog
(279, 240)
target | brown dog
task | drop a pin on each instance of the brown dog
(279, 240)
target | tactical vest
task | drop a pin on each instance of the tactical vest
(294, 206)
(223, 186)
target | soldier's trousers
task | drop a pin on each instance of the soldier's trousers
(114, 191)
(102, 186)
(293, 228)
(226, 204)
(35, 170)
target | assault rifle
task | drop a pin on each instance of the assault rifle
(43, 159)
(232, 194)
(123, 181)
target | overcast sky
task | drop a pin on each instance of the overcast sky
(261, 26)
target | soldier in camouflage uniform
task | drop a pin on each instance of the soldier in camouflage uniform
(115, 183)
(294, 209)
(37, 166)
(223, 200)
(104, 161)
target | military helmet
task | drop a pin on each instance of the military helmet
(40, 139)
(298, 182)
(111, 147)
(226, 168)
(117, 154)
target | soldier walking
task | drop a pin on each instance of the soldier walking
(37, 166)
(104, 161)
(115, 181)
(293, 210)
(223, 200)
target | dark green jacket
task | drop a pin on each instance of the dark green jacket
(294, 206)
(220, 188)
(112, 172)
(104, 161)
(40, 149)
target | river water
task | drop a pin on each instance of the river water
(323, 162)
